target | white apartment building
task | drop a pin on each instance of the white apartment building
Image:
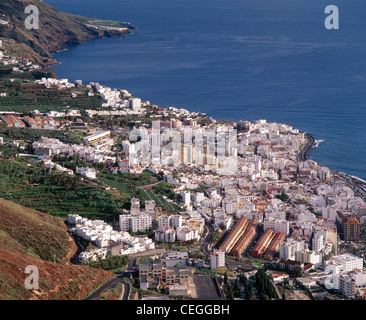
(176, 220)
(164, 222)
(86, 172)
(135, 104)
(308, 256)
(198, 197)
(135, 223)
(166, 234)
(172, 221)
(186, 234)
(329, 213)
(217, 259)
(230, 207)
(288, 249)
(276, 225)
(186, 197)
(318, 242)
(348, 262)
(349, 282)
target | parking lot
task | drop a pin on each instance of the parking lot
(206, 288)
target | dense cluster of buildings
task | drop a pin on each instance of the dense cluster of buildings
(282, 209)
(46, 148)
(107, 239)
(347, 274)
(17, 65)
(45, 122)
(251, 182)
(172, 272)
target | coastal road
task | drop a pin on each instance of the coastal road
(359, 186)
(304, 151)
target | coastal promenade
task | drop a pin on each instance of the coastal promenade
(356, 184)
(304, 150)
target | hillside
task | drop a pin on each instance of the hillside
(29, 237)
(56, 29)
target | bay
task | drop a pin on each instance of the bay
(238, 59)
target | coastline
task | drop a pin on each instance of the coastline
(98, 33)
(305, 150)
(353, 181)
(64, 46)
(357, 184)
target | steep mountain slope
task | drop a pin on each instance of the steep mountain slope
(56, 28)
(29, 237)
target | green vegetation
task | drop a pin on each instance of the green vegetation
(27, 183)
(283, 197)
(363, 230)
(264, 286)
(28, 134)
(306, 291)
(145, 195)
(7, 150)
(22, 97)
(257, 264)
(40, 237)
(125, 182)
(218, 271)
(105, 24)
(248, 287)
(216, 236)
(38, 43)
(143, 258)
(112, 293)
(111, 262)
(29, 237)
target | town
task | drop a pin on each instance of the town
(241, 214)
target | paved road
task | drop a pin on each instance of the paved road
(208, 239)
(148, 186)
(111, 284)
(307, 147)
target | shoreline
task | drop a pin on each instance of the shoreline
(123, 32)
(65, 46)
(305, 150)
(357, 184)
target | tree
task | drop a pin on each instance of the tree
(230, 292)
(249, 290)
(297, 272)
(226, 279)
(236, 288)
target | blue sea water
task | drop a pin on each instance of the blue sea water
(238, 59)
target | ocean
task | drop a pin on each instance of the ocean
(238, 60)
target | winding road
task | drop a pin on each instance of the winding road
(111, 284)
